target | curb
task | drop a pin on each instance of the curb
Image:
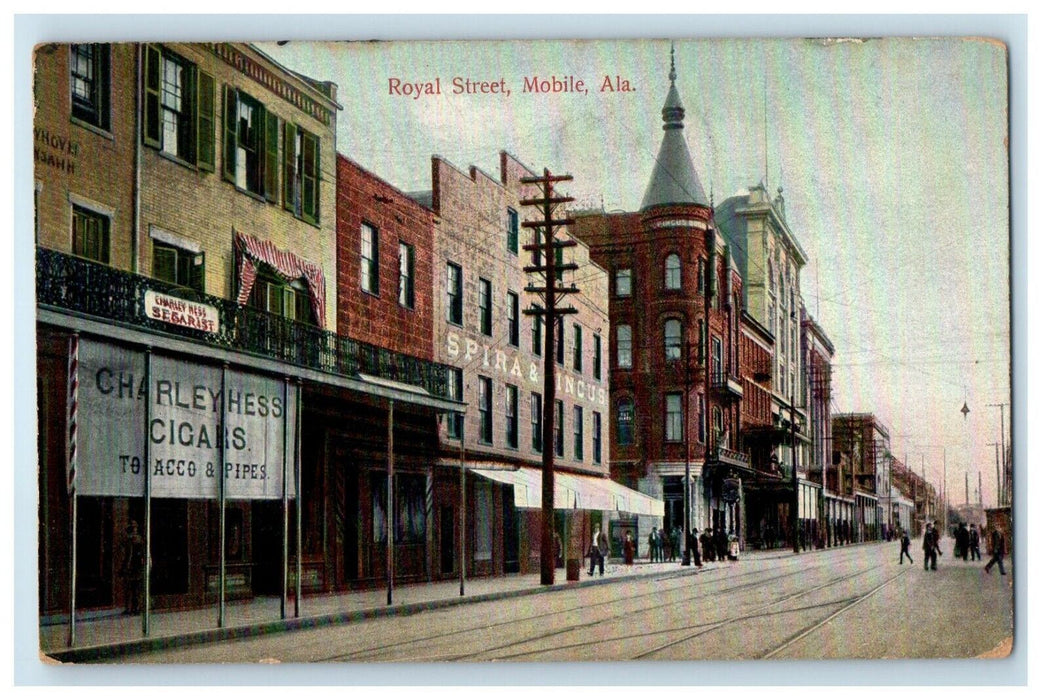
(108, 652)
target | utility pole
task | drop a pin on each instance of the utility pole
(1005, 479)
(553, 288)
(997, 477)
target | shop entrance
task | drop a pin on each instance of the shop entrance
(511, 533)
(447, 544)
(267, 547)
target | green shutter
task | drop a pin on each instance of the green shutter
(165, 262)
(205, 122)
(196, 272)
(310, 178)
(229, 134)
(151, 103)
(289, 166)
(271, 168)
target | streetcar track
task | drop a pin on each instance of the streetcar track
(661, 592)
(581, 626)
(812, 628)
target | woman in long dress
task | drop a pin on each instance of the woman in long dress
(628, 550)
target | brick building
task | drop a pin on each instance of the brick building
(862, 447)
(186, 284)
(674, 305)
(496, 351)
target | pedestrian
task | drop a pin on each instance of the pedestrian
(675, 543)
(131, 568)
(628, 550)
(961, 540)
(664, 536)
(974, 543)
(654, 545)
(997, 551)
(721, 543)
(693, 546)
(598, 551)
(559, 559)
(707, 541)
(905, 547)
(931, 545)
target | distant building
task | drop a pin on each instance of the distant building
(861, 444)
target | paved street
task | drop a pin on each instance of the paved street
(856, 602)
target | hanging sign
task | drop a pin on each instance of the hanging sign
(181, 312)
(185, 428)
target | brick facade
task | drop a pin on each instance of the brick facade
(365, 199)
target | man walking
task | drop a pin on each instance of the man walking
(974, 543)
(997, 552)
(931, 545)
(905, 546)
(654, 546)
(598, 551)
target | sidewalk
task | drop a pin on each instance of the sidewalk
(104, 637)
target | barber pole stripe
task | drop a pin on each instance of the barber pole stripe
(74, 386)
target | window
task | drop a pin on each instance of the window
(625, 422)
(560, 340)
(90, 235)
(513, 319)
(537, 422)
(511, 416)
(484, 305)
(89, 83)
(559, 427)
(370, 259)
(288, 299)
(672, 418)
(455, 294)
(672, 339)
(597, 356)
(577, 430)
(702, 342)
(455, 393)
(624, 282)
(624, 346)
(717, 426)
(179, 108)
(577, 350)
(672, 272)
(178, 266)
(484, 405)
(511, 230)
(715, 358)
(537, 331)
(596, 437)
(701, 282)
(537, 253)
(406, 277)
(302, 167)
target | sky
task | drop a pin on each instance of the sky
(892, 155)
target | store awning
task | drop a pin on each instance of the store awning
(571, 491)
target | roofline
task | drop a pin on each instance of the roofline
(799, 252)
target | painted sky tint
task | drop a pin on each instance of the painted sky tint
(892, 154)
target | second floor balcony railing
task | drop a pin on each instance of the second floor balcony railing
(727, 384)
(68, 283)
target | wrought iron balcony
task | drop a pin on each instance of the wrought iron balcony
(68, 283)
(727, 385)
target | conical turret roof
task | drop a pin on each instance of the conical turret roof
(674, 179)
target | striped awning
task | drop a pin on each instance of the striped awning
(251, 251)
(571, 491)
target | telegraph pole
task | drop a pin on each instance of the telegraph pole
(997, 476)
(1005, 480)
(553, 288)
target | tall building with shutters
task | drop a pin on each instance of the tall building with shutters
(188, 352)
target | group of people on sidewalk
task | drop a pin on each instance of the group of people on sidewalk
(663, 546)
(967, 546)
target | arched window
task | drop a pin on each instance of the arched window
(672, 339)
(701, 277)
(625, 422)
(672, 270)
